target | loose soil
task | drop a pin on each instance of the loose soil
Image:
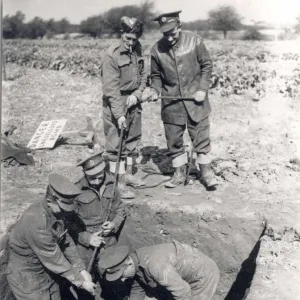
(255, 149)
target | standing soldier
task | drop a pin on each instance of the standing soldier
(40, 246)
(182, 67)
(123, 81)
(175, 268)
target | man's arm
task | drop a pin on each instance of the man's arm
(143, 80)
(71, 253)
(206, 65)
(156, 83)
(137, 292)
(50, 255)
(167, 276)
(111, 85)
(120, 211)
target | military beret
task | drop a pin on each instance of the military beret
(65, 190)
(93, 165)
(168, 21)
(112, 262)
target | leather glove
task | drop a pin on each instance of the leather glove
(122, 122)
(200, 96)
(131, 101)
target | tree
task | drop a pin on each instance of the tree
(92, 26)
(62, 26)
(225, 18)
(13, 27)
(36, 28)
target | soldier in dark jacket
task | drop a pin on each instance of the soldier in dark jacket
(176, 269)
(182, 67)
(123, 81)
(39, 247)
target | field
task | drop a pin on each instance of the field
(255, 98)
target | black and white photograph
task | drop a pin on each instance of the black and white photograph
(150, 150)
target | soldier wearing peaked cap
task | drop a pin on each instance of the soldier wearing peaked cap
(181, 67)
(123, 81)
(39, 245)
(177, 268)
(92, 207)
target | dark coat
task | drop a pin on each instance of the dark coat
(181, 70)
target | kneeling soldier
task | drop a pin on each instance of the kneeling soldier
(40, 246)
(179, 269)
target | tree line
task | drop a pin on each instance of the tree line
(223, 18)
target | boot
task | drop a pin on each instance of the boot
(178, 177)
(133, 180)
(207, 176)
(125, 193)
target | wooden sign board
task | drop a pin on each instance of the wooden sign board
(47, 134)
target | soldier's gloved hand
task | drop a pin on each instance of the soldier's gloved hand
(122, 122)
(96, 239)
(131, 100)
(86, 275)
(108, 227)
(153, 95)
(90, 287)
(200, 96)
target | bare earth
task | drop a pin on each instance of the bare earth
(256, 145)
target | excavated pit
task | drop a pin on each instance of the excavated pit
(232, 241)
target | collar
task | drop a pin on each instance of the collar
(136, 261)
(49, 213)
(122, 48)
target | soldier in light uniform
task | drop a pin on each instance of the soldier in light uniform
(181, 67)
(39, 246)
(92, 207)
(123, 81)
(174, 269)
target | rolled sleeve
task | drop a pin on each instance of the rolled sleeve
(111, 85)
(206, 66)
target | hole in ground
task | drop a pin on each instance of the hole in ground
(231, 241)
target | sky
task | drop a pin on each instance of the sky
(277, 12)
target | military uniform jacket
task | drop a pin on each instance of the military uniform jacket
(37, 244)
(93, 211)
(122, 74)
(181, 70)
(165, 265)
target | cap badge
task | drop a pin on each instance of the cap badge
(92, 163)
(163, 19)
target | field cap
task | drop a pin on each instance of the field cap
(93, 165)
(112, 261)
(131, 25)
(168, 21)
(65, 190)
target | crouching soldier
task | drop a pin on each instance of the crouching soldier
(40, 246)
(178, 269)
(123, 81)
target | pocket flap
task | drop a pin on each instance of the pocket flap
(123, 61)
